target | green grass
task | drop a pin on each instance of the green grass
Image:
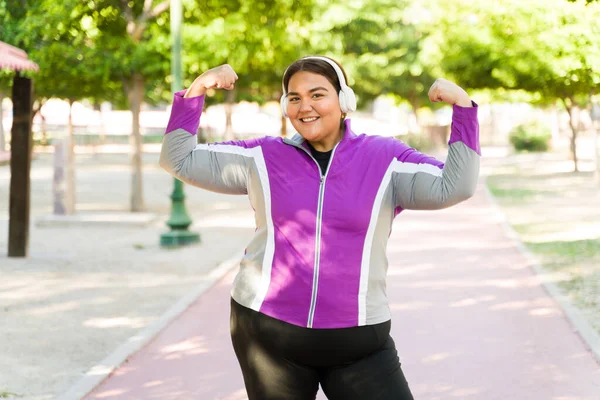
(575, 264)
(4, 394)
(513, 194)
(574, 250)
(509, 188)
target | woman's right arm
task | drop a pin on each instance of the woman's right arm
(222, 168)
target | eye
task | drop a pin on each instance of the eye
(294, 99)
(317, 95)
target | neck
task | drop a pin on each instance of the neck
(329, 142)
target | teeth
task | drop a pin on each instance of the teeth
(308, 119)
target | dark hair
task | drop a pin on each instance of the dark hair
(315, 66)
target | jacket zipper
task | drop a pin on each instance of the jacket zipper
(315, 288)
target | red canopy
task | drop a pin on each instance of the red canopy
(14, 58)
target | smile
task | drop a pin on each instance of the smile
(309, 119)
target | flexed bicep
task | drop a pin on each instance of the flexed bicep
(423, 186)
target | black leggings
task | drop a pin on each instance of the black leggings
(281, 361)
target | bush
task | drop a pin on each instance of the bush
(418, 142)
(531, 136)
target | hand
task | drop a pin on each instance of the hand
(444, 90)
(221, 77)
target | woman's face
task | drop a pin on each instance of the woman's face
(314, 109)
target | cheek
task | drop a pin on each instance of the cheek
(292, 110)
(330, 108)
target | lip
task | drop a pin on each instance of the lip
(310, 122)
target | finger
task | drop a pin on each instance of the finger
(433, 94)
(230, 87)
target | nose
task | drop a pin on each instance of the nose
(305, 106)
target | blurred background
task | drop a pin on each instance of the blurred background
(534, 67)
(105, 86)
(101, 102)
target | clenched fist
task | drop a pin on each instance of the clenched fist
(444, 90)
(221, 77)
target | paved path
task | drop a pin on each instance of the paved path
(85, 289)
(470, 319)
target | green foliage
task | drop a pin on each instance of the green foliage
(123, 51)
(257, 38)
(531, 136)
(417, 141)
(6, 79)
(55, 37)
(380, 44)
(548, 47)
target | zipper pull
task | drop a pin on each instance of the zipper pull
(322, 178)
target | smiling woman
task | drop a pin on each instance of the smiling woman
(316, 99)
(309, 304)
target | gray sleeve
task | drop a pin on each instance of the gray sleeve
(222, 168)
(429, 187)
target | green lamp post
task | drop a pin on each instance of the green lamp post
(179, 222)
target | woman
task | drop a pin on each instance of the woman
(309, 302)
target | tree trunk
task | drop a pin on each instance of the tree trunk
(37, 106)
(283, 131)
(415, 105)
(597, 150)
(2, 141)
(102, 129)
(70, 165)
(45, 130)
(20, 166)
(573, 124)
(554, 126)
(136, 95)
(283, 126)
(230, 99)
(595, 114)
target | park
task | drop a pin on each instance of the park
(115, 277)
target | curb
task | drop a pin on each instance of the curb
(581, 326)
(105, 368)
(96, 219)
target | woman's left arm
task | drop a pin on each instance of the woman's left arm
(423, 183)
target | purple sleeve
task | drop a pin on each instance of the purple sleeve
(409, 155)
(465, 127)
(185, 113)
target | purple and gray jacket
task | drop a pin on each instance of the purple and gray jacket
(318, 255)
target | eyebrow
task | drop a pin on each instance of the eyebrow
(310, 91)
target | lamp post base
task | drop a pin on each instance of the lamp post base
(179, 238)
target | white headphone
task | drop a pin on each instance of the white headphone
(346, 95)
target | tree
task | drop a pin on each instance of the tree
(132, 42)
(381, 45)
(56, 36)
(66, 51)
(522, 46)
(259, 39)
